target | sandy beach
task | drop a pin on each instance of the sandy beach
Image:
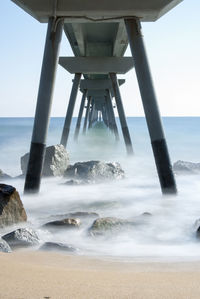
(31, 275)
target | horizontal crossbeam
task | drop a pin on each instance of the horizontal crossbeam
(97, 65)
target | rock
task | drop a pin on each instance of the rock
(4, 176)
(22, 237)
(76, 182)
(108, 224)
(11, 208)
(197, 228)
(64, 223)
(57, 246)
(83, 214)
(186, 167)
(55, 163)
(4, 247)
(94, 171)
(198, 233)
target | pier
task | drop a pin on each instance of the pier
(99, 33)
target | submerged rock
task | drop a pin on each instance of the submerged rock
(198, 233)
(11, 208)
(4, 247)
(4, 176)
(64, 223)
(21, 237)
(83, 214)
(186, 167)
(76, 182)
(94, 171)
(108, 224)
(55, 163)
(197, 228)
(57, 246)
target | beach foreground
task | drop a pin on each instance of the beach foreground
(27, 275)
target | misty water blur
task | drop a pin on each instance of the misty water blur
(169, 232)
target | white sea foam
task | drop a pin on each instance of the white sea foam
(168, 233)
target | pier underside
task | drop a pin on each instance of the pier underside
(99, 33)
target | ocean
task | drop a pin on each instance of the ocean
(169, 234)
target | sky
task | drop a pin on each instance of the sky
(173, 49)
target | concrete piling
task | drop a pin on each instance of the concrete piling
(70, 109)
(149, 101)
(44, 103)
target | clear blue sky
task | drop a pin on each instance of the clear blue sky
(173, 47)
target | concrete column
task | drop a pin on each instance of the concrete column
(159, 146)
(104, 115)
(114, 125)
(44, 103)
(91, 114)
(100, 116)
(78, 124)
(122, 117)
(107, 108)
(96, 115)
(86, 115)
(70, 109)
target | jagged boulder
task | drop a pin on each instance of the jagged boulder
(94, 171)
(11, 208)
(53, 246)
(4, 247)
(186, 167)
(55, 163)
(21, 237)
(4, 176)
(108, 224)
(64, 223)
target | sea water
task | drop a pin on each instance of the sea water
(168, 233)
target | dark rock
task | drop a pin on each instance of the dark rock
(108, 224)
(198, 233)
(57, 246)
(146, 215)
(76, 182)
(4, 247)
(55, 163)
(186, 167)
(4, 176)
(11, 207)
(197, 228)
(95, 171)
(83, 214)
(65, 223)
(22, 237)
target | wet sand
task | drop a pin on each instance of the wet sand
(35, 275)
